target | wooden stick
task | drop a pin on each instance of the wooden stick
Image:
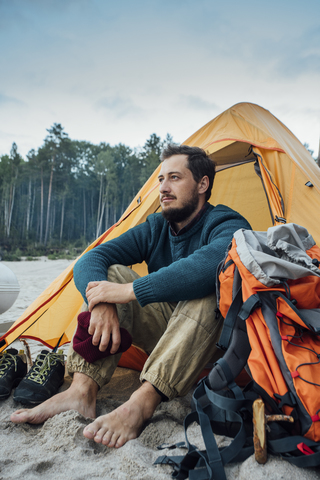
(28, 353)
(259, 431)
(260, 420)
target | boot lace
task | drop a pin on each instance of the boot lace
(6, 361)
(42, 367)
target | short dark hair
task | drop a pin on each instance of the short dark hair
(199, 162)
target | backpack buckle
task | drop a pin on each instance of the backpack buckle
(305, 449)
(221, 346)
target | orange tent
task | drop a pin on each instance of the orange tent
(263, 172)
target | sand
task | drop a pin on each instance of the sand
(58, 449)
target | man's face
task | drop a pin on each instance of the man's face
(179, 196)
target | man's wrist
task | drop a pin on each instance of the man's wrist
(131, 294)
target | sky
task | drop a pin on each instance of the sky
(118, 71)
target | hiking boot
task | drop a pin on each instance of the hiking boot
(43, 379)
(13, 367)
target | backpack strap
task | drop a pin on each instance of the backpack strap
(235, 340)
(230, 320)
(183, 464)
(249, 307)
(212, 408)
(298, 450)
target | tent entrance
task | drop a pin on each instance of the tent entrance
(238, 184)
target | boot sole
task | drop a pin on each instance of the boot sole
(14, 385)
(29, 402)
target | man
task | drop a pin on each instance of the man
(170, 313)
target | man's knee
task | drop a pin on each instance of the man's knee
(201, 310)
(121, 274)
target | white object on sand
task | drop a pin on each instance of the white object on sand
(9, 288)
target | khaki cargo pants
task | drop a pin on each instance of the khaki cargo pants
(180, 339)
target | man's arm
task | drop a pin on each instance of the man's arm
(109, 292)
(90, 276)
(128, 249)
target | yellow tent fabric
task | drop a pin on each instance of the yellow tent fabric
(263, 172)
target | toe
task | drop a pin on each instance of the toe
(106, 439)
(89, 431)
(114, 439)
(100, 435)
(20, 416)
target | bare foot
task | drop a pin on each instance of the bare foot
(125, 423)
(80, 396)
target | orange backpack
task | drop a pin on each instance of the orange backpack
(268, 290)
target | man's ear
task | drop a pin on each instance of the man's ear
(203, 184)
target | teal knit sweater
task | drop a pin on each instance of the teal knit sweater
(180, 267)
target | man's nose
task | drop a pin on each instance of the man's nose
(164, 186)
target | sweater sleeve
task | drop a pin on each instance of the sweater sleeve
(128, 249)
(194, 276)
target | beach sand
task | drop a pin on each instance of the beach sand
(58, 449)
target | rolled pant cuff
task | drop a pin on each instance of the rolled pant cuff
(159, 384)
(87, 369)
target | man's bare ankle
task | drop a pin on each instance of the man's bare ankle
(149, 397)
(84, 381)
(83, 386)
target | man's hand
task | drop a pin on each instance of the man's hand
(101, 292)
(104, 323)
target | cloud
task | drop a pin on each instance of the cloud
(300, 54)
(119, 106)
(6, 135)
(194, 102)
(7, 100)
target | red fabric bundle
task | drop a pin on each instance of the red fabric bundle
(82, 341)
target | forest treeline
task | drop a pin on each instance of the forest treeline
(68, 192)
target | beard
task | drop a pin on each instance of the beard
(177, 215)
